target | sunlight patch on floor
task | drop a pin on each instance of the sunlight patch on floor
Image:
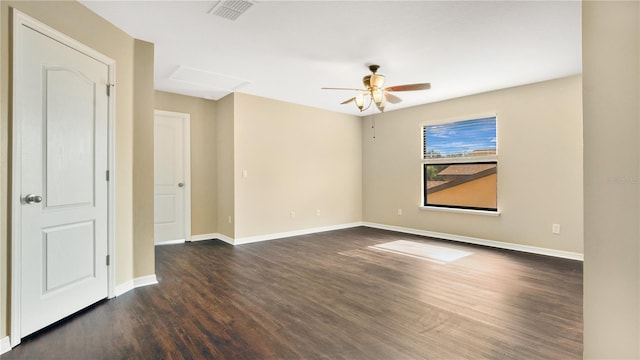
(439, 254)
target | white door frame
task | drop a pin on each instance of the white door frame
(21, 20)
(186, 131)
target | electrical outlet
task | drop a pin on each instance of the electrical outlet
(555, 228)
(229, 219)
(317, 212)
(293, 214)
(399, 212)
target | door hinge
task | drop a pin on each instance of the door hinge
(108, 260)
(107, 175)
(109, 89)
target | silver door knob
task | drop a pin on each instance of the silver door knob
(32, 199)
(180, 184)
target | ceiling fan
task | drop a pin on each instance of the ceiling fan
(375, 93)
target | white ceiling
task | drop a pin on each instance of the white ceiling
(288, 50)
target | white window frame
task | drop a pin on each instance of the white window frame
(456, 160)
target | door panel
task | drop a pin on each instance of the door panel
(64, 268)
(62, 112)
(165, 209)
(166, 131)
(69, 127)
(171, 187)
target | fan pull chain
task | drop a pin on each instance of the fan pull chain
(373, 125)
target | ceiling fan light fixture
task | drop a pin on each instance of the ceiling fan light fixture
(376, 81)
(381, 104)
(377, 95)
(366, 81)
(360, 101)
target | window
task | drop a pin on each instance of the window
(460, 164)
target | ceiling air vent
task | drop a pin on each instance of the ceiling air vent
(231, 9)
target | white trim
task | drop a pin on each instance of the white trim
(258, 238)
(445, 236)
(170, 242)
(145, 281)
(111, 185)
(225, 238)
(22, 20)
(212, 236)
(186, 131)
(124, 287)
(460, 211)
(136, 283)
(16, 216)
(5, 345)
(483, 242)
(457, 160)
(201, 237)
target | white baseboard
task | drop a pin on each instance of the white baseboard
(452, 237)
(484, 242)
(124, 287)
(225, 238)
(145, 281)
(136, 283)
(212, 236)
(5, 345)
(170, 242)
(204, 237)
(253, 239)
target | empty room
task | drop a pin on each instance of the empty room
(319, 180)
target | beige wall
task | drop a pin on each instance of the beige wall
(225, 155)
(539, 166)
(204, 199)
(296, 158)
(143, 184)
(97, 33)
(611, 67)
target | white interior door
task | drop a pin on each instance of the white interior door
(61, 114)
(171, 174)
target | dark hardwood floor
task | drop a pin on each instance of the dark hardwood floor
(330, 296)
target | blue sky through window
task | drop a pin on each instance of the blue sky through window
(460, 138)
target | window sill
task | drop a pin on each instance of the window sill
(461, 211)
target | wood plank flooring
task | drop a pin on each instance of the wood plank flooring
(330, 296)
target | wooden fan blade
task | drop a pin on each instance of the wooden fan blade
(348, 101)
(392, 98)
(409, 87)
(331, 88)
